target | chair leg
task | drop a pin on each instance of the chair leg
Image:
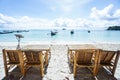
(6, 70)
(41, 70)
(74, 70)
(95, 70)
(5, 62)
(22, 70)
(46, 59)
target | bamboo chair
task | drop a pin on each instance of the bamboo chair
(34, 58)
(11, 59)
(109, 60)
(85, 58)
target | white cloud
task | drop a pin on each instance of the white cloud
(23, 22)
(108, 16)
(25, 19)
(26, 22)
(64, 22)
(105, 14)
(7, 19)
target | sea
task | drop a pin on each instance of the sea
(64, 35)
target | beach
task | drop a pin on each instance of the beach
(58, 68)
(63, 27)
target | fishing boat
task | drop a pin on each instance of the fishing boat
(54, 32)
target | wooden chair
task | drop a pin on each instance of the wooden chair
(35, 58)
(109, 60)
(11, 59)
(85, 58)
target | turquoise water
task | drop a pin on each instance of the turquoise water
(64, 35)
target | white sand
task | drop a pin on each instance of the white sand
(58, 68)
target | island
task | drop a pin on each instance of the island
(113, 28)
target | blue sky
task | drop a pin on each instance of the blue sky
(59, 13)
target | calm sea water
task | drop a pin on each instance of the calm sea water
(64, 35)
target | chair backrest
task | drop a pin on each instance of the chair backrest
(85, 56)
(33, 56)
(106, 57)
(109, 59)
(12, 56)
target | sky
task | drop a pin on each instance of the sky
(44, 14)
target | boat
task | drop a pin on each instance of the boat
(19, 31)
(88, 31)
(64, 29)
(6, 32)
(72, 31)
(54, 32)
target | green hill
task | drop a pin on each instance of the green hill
(113, 28)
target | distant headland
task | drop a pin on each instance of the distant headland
(113, 28)
(12, 31)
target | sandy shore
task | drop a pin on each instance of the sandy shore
(58, 65)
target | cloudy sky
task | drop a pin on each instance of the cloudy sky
(36, 14)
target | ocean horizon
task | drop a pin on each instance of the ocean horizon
(63, 35)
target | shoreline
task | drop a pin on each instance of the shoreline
(54, 43)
